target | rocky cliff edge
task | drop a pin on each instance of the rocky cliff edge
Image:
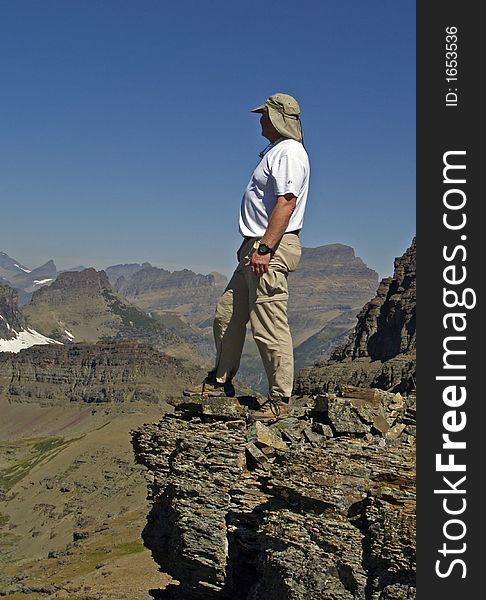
(319, 505)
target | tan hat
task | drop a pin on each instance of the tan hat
(283, 111)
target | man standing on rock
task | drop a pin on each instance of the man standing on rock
(271, 217)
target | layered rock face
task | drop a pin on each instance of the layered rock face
(329, 283)
(386, 325)
(319, 505)
(104, 372)
(190, 295)
(381, 350)
(11, 319)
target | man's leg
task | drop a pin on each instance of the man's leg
(229, 327)
(272, 335)
(268, 316)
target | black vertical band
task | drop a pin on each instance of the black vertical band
(450, 273)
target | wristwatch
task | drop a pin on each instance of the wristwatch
(264, 249)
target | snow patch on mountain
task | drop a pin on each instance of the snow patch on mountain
(42, 281)
(23, 268)
(25, 338)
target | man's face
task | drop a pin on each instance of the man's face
(268, 130)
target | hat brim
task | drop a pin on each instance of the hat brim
(259, 108)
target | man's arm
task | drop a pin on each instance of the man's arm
(279, 220)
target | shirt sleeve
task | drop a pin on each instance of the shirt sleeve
(288, 175)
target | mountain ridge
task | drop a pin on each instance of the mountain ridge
(381, 350)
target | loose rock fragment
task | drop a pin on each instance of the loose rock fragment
(261, 436)
(257, 455)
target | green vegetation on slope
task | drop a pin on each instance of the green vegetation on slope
(33, 452)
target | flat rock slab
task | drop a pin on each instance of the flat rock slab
(370, 394)
(223, 408)
(219, 408)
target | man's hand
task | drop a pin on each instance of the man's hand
(259, 263)
(277, 224)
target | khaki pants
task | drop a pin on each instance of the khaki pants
(263, 302)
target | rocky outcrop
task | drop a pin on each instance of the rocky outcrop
(381, 350)
(386, 325)
(103, 372)
(319, 505)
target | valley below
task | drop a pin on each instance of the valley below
(73, 502)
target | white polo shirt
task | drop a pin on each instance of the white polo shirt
(284, 169)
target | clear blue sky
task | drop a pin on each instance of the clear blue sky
(126, 132)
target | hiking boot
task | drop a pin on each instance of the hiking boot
(273, 409)
(210, 388)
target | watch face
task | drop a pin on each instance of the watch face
(263, 249)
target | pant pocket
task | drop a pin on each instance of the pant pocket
(289, 253)
(272, 286)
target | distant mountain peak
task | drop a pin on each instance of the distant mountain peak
(23, 279)
(75, 280)
(81, 306)
(11, 320)
(11, 266)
